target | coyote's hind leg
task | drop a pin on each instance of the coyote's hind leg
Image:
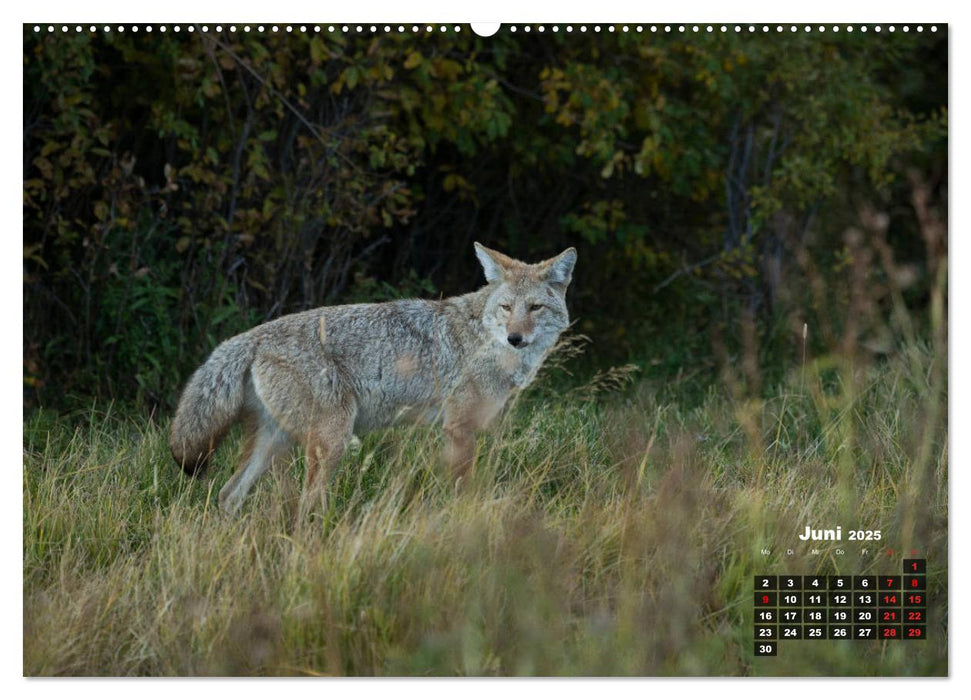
(324, 446)
(268, 442)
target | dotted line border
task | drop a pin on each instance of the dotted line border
(527, 28)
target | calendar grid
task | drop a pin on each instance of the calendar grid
(818, 607)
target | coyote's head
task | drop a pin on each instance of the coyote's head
(527, 306)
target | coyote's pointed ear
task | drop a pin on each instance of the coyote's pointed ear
(560, 268)
(493, 262)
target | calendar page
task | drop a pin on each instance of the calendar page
(399, 348)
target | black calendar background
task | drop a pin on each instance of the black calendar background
(849, 619)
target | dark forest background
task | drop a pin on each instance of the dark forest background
(725, 191)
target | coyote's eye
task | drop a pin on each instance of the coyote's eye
(535, 307)
(505, 307)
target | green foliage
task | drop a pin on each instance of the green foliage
(180, 186)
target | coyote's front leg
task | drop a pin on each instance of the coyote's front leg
(469, 410)
(459, 447)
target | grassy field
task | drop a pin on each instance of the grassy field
(604, 533)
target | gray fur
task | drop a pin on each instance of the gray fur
(320, 376)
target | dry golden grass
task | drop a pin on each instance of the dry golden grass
(601, 535)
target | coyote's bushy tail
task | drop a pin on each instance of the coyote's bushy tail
(210, 403)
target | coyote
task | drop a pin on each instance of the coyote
(319, 377)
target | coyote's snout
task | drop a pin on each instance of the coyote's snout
(318, 377)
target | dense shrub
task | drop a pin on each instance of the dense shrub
(181, 187)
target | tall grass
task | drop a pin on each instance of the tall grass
(601, 534)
